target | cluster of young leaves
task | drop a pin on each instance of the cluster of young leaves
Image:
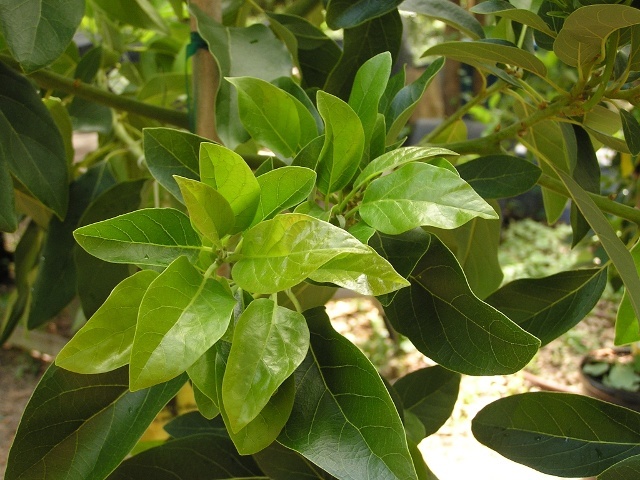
(225, 282)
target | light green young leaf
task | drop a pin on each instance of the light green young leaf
(207, 407)
(482, 52)
(273, 117)
(269, 342)
(504, 9)
(280, 253)
(138, 13)
(228, 173)
(181, 316)
(343, 144)
(151, 236)
(627, 325)
(559, 434)
(367, 274)
(449, 324)
(447, 12)
(283, 188)
(631, 128)
(342, 406)
(37, 32)
(397, 158)
(104, 342)
(585, 31)
(208, 210)
(420, 194)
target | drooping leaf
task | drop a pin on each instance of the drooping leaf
(227, 172)
(197, 456)
(104, 342)
(349, 14)
(396, 158)
(430, 394)
(37, 32)
(587, 175)
(450, 325)
(420, 194)
(504, 9)
(273, 117)
(585, 30)
(499, 176)
(281, 463)
(138, 13)
(181, 316)
(481, 52)
(30, 142)
(547, 307)
(343, 407)
(559, 434)
(367, 274)
(269, 342)
(283, 188)
(208, 210)
(627, 327)
(8, 217)
(91, 424)
(280, 253)
(627, 469)
(631, 128)
(151, 236)
(61, 118)
(343, 144)
(170, 152)
(406, 100)
(447, 12)
(360, 45)
(206, 407)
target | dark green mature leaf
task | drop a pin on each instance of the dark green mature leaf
(559, 433)
(30, 142)
(273, 117)
(208, 210)
(151, 236)
(627, 469)
(138, 13)
(104, 342)
(504, 9)
(419, 194)
(450, 325)
(631, 128)
(37, 32)
(55, 285)
(197, 456)
(547, 307)
(193, 423)
(447, 12)
(499, 176)
(481, 52)
(182, 314)
(82, 426)
(378, 35)
(430, 394)
(342, 407)
(283, 188)
(280, 253)
(170, 152)
(228, 173)
(269, 342)
(585, 31)
(587, 175)
(343, 144)
(281, 463)
(349, 14)
(8, 217)
(406, 100)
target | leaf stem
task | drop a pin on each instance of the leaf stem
(294, 300)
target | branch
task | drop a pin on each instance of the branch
(53, 81)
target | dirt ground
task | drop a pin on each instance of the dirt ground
(452, 453)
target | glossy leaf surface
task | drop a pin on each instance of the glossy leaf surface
(627, 327)
(104, 342)
(447, 12)
(152, 236)
(450, 325)
(499, 176)
(547, 307)
(559, 434)
(181, 316)
(280, 253)
(419, 195)
(91, 424)
(343, 407)
(348, 14)
(269, 342)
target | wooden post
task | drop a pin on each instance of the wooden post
(206, 77)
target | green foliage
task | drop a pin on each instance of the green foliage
(210, 261)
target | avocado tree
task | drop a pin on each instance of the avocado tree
(209, 262)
